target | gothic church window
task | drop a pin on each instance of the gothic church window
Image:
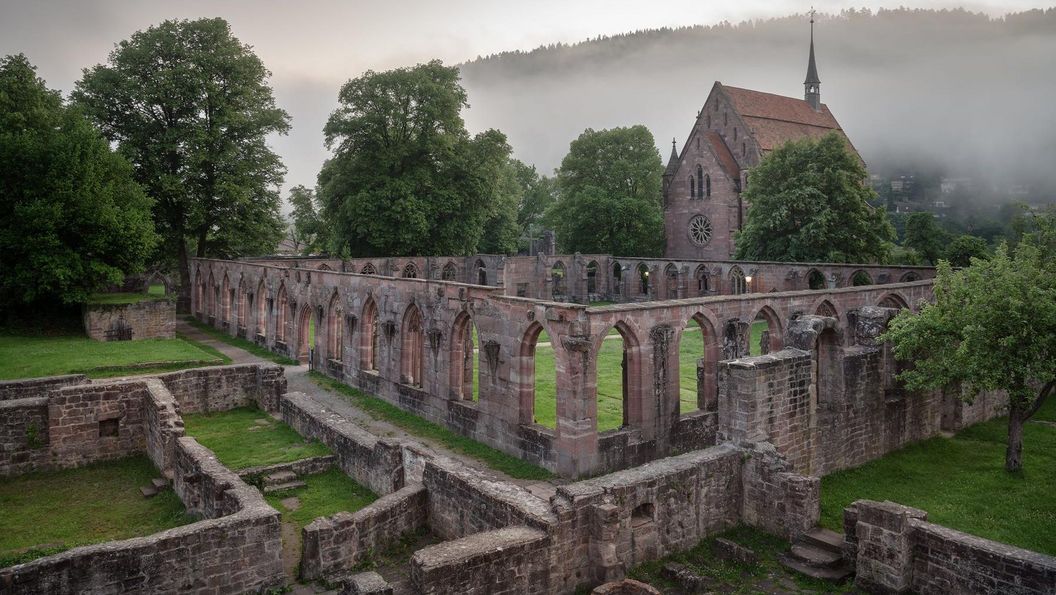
(734, 134)
(707, 186)
(700, 230)
(700, 181)
(725, 118)
(692, 188)
(707, 121)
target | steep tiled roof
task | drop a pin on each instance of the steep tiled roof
(723, 154)
(775, 119)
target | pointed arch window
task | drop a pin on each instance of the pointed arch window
(692, 188)
(707, 186)
(700, 181)
(734, 134)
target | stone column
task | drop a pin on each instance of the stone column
(577, 434)
(885, 546)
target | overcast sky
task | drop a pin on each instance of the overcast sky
(312, 47)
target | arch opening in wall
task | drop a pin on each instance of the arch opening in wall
(262, 310)
(410, 271)
(412, 347)
(765, 334)
(692, 188)
(465, 359)
(558, 287)
(698, 386)
(827, 367)
(241, 305)
(449, 272)
(368, 337)
(738, 282)
(211, 292)
(825, 308)
(860, 278)
(671, 282)
(199, 292)
(643, 279)
(700, 182)
(619, 373)
(324, 267)
(816, 279)
(910, 276)
(305, 334)
(335, 318)
(482, 273)
(592, 278)
(368, 269)
(617, 278)
(537, 375)
(893, 300)
(703, 282)
(281, 310)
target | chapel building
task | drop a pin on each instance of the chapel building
(734, 130)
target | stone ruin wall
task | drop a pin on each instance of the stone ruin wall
(238, 526)
(150, 319)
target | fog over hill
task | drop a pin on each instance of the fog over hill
(952, 92)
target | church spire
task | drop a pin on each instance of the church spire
(812, 85)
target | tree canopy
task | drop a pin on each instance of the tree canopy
(609, 194)
(925, 237)
(189, 106)
(992, 327)
(808, 202)
(72, 219)
(964, 248)
(406, 178)
(307, 231)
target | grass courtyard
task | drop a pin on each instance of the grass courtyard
(47, 512)
(962, 484)
(248, 437)
(323, 494)
(31, 356)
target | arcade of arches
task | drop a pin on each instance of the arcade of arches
(576, 388)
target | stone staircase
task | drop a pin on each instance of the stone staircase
(279, 481)
(818, 554)
(157, 485)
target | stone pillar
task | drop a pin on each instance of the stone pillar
(885, 546)
(577, 436)
(604, 533)
(664, 388)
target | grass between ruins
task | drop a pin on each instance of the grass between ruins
(323, 494)
(962, 484)
(380, 409)
(43, 513)
(243, 344)
(247, 437)
(32, 356)
(767, 576)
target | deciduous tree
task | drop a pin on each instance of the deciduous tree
(925, 237)
(992, 327)
(964, 248)
(609, 194)
(406, 177)
(72, 219)
(306, 226)
(808, 202)
(189, 106)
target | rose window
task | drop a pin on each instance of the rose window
(700, 230)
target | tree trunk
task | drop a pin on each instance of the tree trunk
(1014, 450)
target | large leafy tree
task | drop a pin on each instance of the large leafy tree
(964, 248)
(71, 217)
(609, 194)
(925, 237)
(307, 231)
(539, 194)
(189, 106)
(808, 202)
(406, 177)
(501, 231)
(992, 327)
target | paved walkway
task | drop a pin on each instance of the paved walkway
(298, 381)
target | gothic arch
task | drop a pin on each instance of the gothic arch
(738, 282)
(633, 397)
(335, 315)
(241, 309)
(909, 277)
(225, 300)
(482, 272)
(324, 267)
(412, 347)
(461, 361)
(643, 279)
(368, 337)
(592, 278)
(449, 272)
(304, 324)
(711, 348)
(703, 280)
(281, 310)
(558, 280)
(816, 279)
(368, 269)
(262, 310)
(860, 278)
(824, 307)
(670, 281)
(774, 328)
(410, 271)
(893, 300)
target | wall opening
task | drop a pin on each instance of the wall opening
(698, 389)
(815, 279)
(280, 315)
(703, 282)
(738, 282)
(412, 347)
(826, 366)
(592, 278)
(617, 278)
(671, 282)
(643, 279)
(368, 337)
(860, 278)
(538, 378)
(765, 334)
(618, 373)
(482, 273)
(335, 329)
(465, 359)
(262, 312)
(557, 281)
(305, 334)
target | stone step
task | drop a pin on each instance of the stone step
(279, 477)
(290, 485)
(825, 539)
(148, 491)
(838, 574)
(815, 556)
(160, 484)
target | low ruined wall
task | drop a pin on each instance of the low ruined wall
(96, 422)
(37, 387)
(508, 561)
(462, 501)
(237, 550)
(338, 543)
(153, 319)
(221, 388)
(23, 435)
(776, 500)
(897, 551)
(369, 461)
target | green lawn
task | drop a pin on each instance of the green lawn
(380, 409)
(23, 356)
(961, 483)
(242, 344)
(324, 494)
(47, 512)
(247, 437)
(767, 576)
